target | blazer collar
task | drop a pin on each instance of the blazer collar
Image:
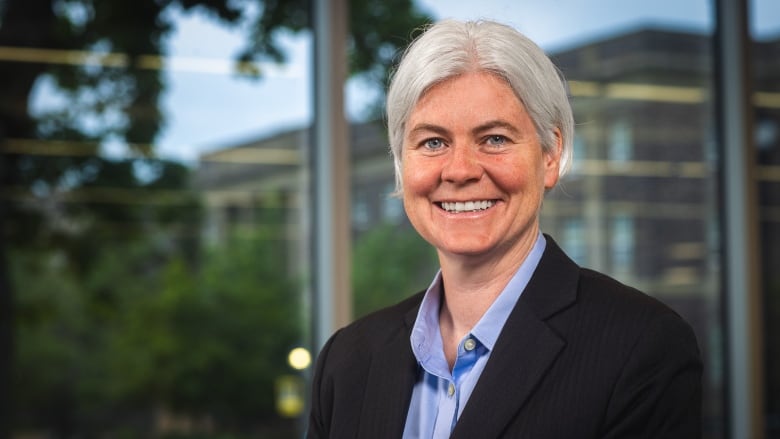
(524, 351)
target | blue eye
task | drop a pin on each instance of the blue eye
(496, 140)
(433, 143)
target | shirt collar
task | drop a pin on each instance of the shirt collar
(492, 322)
(426, 336)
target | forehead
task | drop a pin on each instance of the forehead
(470, 96)
(463, 82)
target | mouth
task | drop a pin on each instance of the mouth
(466, 206)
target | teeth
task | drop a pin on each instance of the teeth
(468, 206)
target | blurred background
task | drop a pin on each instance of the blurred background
(162, 212)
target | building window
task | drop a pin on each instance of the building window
(392, 207)
(361, 213)
(574, 241)
(622, 245)
(579, 152)
(620, 141)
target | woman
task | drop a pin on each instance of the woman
(512, 338)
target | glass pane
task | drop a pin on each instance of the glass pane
(151, 181)
(389, 259)
(644, 182)
(640, 201)
(765, 32)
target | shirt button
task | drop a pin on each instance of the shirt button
(469, 344)
(451, 390)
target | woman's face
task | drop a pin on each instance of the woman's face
(474, 172)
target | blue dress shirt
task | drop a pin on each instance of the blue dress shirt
(440, 395)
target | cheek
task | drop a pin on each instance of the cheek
(522, 176)
(417, 177)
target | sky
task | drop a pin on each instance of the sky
(209, 108)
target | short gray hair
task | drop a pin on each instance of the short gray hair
(450, 48)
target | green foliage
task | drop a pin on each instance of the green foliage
(206, 341)
(65, 325)
(52, 332)
(108, 307)
(390, 264)
(226, 332)
(378, 30)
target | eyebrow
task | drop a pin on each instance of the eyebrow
(495, 124)
(487, 126)
(440, 130)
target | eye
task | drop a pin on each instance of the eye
(433, 144)
(496, 140)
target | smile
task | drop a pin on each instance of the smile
(467, 206)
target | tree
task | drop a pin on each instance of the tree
(394, 263)
(147, 329)
(75, 299)
(213, 341)
(115, 100)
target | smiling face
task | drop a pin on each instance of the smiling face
(474, 172)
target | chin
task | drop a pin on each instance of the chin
(466, 249)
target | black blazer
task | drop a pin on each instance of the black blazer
(581, 356)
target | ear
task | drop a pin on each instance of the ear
(552, 161)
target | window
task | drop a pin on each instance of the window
(152, 189)
(573, 240)
(154, 199)
(393, 207)
(622, 248)
(620, 141)
(765, 33)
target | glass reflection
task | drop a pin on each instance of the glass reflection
(640, 202)
(147, 280)
(765, 33)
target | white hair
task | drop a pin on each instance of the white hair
(450, 48)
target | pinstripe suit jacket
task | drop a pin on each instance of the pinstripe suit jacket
(581, 356)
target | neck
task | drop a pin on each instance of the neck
(471, 284)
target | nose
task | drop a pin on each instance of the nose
(462, 165)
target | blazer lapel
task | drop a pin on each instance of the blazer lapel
(389, 386)
(524, 351)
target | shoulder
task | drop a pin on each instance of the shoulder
(357, 360)
(625, 324)
(596, 313)
(612, 300)
(383, 321)
(373, 330)
(567, 293)
(345, 359)
(648, 354)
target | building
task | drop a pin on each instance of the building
(642, 201)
